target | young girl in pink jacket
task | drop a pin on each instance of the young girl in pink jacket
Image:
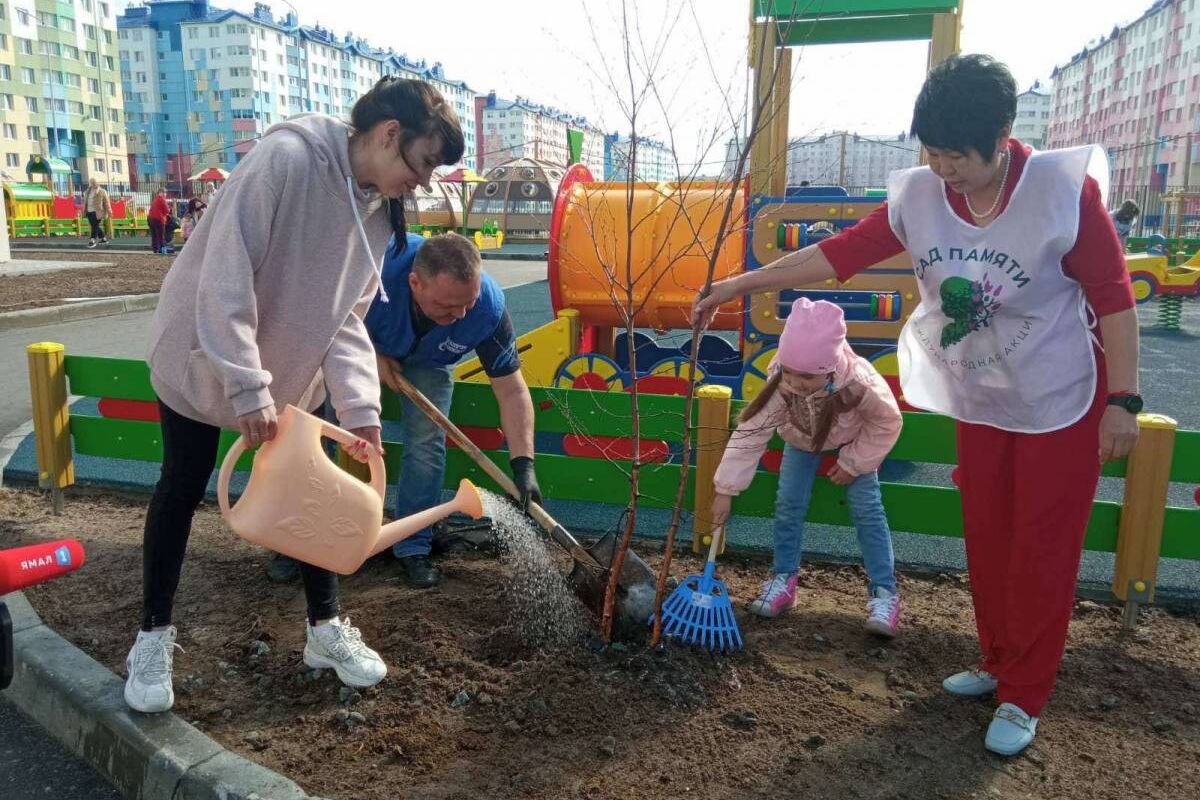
(821, 396)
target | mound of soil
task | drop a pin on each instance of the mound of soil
(814, 707)
(125, 274)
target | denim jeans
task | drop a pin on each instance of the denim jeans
(796, 476)
(423, 464)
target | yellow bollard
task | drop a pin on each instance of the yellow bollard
(1139, 538)
(712, 434)
(51, 419)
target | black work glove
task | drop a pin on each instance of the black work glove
(526, 481)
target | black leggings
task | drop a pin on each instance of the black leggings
(189, 455)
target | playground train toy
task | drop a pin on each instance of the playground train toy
(673, 230)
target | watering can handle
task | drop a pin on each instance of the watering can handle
(378, 472)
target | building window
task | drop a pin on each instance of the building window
(10, 131)
(31, 104)
(116, 166)
(98, 164)
(5, 72)
(12, 159)
(32, 133)
(6, 102)
(97, 138)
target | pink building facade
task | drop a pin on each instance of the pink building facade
(1137, 94)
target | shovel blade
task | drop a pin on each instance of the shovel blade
(635, 587)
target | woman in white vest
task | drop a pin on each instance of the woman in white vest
(1025, 334)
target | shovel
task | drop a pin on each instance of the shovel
(589, 575)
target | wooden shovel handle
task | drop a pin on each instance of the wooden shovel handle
(486, 464)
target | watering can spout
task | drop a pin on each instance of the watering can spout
(466, 501)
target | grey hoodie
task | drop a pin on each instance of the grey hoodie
(267, 299)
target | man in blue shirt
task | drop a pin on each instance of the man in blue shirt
(440, 307)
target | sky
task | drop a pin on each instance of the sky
(569, 54)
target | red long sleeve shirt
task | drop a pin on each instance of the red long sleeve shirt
(159, 210)
(1097, 260)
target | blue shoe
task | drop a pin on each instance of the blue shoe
(1011, 731)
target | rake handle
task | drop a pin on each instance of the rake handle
(717, 535)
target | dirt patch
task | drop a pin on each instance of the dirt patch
(813, 708)
(129, 274)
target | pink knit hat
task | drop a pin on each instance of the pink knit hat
(812, 337)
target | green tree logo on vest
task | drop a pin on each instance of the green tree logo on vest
(969, 304)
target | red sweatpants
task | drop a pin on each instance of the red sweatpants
(1026, 501)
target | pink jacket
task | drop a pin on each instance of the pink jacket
(865, 433)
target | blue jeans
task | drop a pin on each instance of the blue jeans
(796, 476)
(423, 465)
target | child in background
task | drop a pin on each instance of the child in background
(821, 396)
(1123, 218)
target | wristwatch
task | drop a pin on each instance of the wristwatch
(1130, 401)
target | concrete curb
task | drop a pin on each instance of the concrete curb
(145, 756)
(70, 312)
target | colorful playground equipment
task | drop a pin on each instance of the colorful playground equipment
(661, 249)
(1156, 275)
(674, 228)
(32, 209)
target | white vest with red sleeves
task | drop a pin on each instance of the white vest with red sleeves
(1001, 336)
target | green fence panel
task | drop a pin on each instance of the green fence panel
(929, 438)
(568, 478)
(118, 378)
(1181, 533)
(566, 411)
(132, 440)
(1185, 461)
(931, 510)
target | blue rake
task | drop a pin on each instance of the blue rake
(699, 611)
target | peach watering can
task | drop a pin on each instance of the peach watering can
(300, 503)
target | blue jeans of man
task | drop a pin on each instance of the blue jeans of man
(796, 476)
(423, 465)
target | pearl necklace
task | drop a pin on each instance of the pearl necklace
(999, 194)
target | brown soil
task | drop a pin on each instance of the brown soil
(128, 274)
(813, 707)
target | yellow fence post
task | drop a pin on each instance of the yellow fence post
(1139, 538)
(712, 434)
(51, 418)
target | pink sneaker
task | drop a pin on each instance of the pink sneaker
(883, 614)
(778, 595)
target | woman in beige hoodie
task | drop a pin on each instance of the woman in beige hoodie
(263, 309)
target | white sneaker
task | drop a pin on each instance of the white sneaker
(1011, 731)
(970, 683)
(339, 646)
(883, 614)
(148, 687)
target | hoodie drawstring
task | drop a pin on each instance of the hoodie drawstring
(377, 265)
